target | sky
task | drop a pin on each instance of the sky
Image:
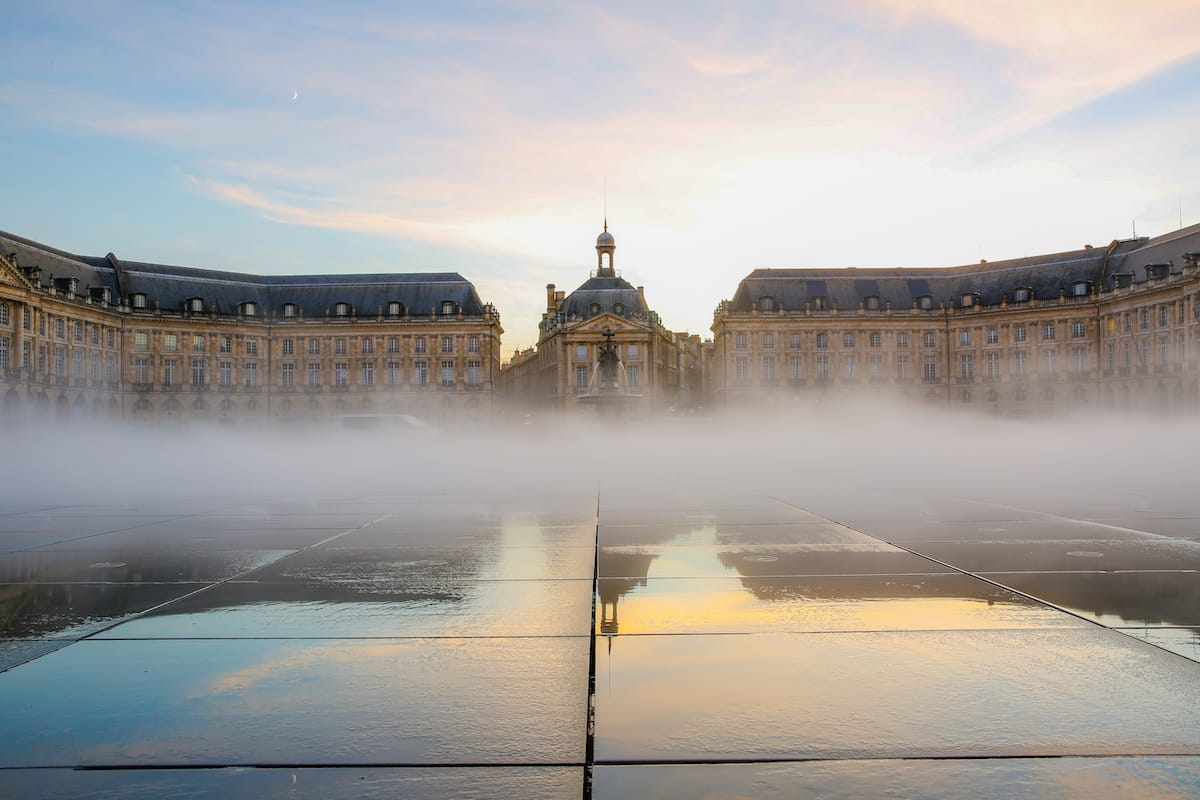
(492, 138)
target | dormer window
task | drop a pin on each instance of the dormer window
(594, 308)
(249, 309)
(138, 300)
(766, 304)
(925, 302)
(968, 299)
(872, 303)
(73, 285)
(1123, 280)
(194, 304)
(394, 309)
(289, 309)
(447, 307)
(818, 303)
(1023, 294)
(341, 309)
(1081, 288)
(1157, 272)
(618, 308)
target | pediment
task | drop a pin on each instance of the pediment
(599, 323)
(10, 275)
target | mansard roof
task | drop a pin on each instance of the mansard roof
(603, 295)
(169, 287)
(902, 287)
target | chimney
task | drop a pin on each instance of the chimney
(550, 297)
(642, 295)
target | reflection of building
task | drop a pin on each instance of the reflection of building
(101, 336)
(1113, 327)
(658, 364)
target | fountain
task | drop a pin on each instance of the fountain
(608, 387)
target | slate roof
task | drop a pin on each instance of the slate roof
(169, 287)
(847, 287)
(605, 293)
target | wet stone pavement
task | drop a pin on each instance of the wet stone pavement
(762, 643)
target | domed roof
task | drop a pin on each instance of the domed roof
(605, 239)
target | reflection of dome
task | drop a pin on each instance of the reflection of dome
(606, 239)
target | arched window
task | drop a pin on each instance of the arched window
(766, 304)
(1023, 294)
(447, 307)
(289, 309)
(194, 304)
(341, 309)
(138, 300)
(249, 309)
(395, 309)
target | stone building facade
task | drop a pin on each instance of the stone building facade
(661, 368)
(90, 337)
(1116, 327)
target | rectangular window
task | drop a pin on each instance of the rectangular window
(794, 341)
(421, 372)
(632, 352)
(393, 345)
(474, 373)
(225, 373)
(170, 342)
(110, 369)
(60, 328)
(1078, 330)
(966, 366)
(581, 353)
(287, 375)
(251, 346)
(251, 370)
(60, 363)
(225, 344)
(339, 373)
(141, 341)
(368, 346)
(289, 347)
(472, 344)
(4, 353)
(993, 336)
(964, 338)
(339, 347)
(929, 339)
(447, 376)
(875, 367)
(768, 368)
(768, 341)
(739, 341)
(634, 376)
(581, 378)
(849, 368)
(741, 369)
(77, 366)
(1163, 316)
(26, 319)
(929, 370)
(77, 330)
(314, 375)
(447, 344)
(902, 368)
(1020, 358)
(419, 344)
(1048, 359)
(822, 341)
(170, 372)
(822, 367)
(25, 354)
(95, 334)
(876, 339)
(902, 339)
(393, 371)
(795, 368)
(993, 365)
(198, 343)
(1048, 332)
(1019, 334)
(1079, 360)
(848, 341)
(368, 373)
(1110, 356)
(314, 347)
(141, 370)
(1164, 351)
(110, 338)
(198, 366)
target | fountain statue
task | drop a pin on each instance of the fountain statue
(608, 387)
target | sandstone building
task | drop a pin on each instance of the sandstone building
(661, 369)
(1116, 327)
(92, 337)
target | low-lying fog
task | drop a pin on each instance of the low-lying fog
(869, 452)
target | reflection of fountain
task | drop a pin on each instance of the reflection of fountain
(608, 386)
